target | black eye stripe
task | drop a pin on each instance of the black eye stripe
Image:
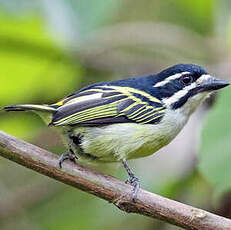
(183, 99)
(175, 85)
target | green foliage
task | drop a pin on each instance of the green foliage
(33, 69)
(215, 152)
(23, 125)
(91, 14)
(31, 64)
(195, 15)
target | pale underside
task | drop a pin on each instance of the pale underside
(126, 140)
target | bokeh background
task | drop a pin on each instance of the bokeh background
(49, 48)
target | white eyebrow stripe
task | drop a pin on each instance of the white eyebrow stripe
(173, 77)
(175, 97)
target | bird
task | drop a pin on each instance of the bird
(126, 119)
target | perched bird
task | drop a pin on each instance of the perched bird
(130, 118)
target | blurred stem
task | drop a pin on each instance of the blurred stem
(109, 188)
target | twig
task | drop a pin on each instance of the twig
(109, 188)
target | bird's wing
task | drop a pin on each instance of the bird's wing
(107, 104)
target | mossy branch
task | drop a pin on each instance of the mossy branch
(109, 188)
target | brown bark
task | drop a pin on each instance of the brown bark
(109, 188)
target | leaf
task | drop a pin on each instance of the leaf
(215, 150)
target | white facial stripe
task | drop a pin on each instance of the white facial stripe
(173, 77)
(85, 98)
(175, 97)
(203, 78)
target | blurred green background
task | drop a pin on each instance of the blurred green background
(49, 48)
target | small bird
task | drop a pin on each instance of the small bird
(126, 119)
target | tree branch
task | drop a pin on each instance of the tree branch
(109, 188)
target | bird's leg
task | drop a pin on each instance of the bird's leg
(68, 156)
(133, 180)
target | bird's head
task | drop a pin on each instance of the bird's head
(184, 86)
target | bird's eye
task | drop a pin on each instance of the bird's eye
(186, 80)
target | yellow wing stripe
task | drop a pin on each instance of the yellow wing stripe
(140, 110)
(104, 109)
(100, 108)
(150, 115)
(95, 109)
(87, 118)
(126, 90)
(154, 118)
(89, 113)
(143, 114)
(94, 116)
(86, 113)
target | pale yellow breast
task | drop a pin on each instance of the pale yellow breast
(130, 140)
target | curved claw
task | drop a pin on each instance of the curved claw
(67, 156)
(134, 181)
(63, 157)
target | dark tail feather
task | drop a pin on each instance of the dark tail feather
(45, 108)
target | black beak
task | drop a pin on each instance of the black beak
(213, 84)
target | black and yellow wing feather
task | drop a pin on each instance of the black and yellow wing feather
(107, 104)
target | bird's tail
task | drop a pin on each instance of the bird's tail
(44, 111)
(25, 107)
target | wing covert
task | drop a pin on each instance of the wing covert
(107, 104)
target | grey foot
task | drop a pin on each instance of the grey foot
(67, 156)
(132, 180)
